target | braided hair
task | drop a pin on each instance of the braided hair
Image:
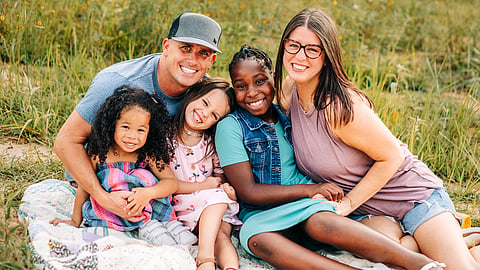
(158, 146)
(247, 52)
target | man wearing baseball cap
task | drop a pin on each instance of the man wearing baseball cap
(188, 52)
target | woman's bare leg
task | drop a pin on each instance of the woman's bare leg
(441, 239)
(392, 229)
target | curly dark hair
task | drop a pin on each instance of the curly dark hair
(197, 91)
(159, 145)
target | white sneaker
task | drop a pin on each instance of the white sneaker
(156, 233)
(179, 232)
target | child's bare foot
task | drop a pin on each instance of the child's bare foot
(57, 221)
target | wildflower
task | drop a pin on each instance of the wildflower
(393, 87)
(88, 2)
(401, 68)
(340, 37)
(83, 7)
(2, 18)
(395, 116)
(39, 22)
(389, 3)
(264, 22)
(53, 11)
(207, 14)
(335, 2)
(242, 6)
(222, 11)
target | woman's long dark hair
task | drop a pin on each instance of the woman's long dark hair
(159, 144)
(334, 85)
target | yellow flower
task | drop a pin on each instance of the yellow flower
(335, 2)
(340, 37)
(2, 18)
(207, 14)
(39, 22)
(264, 21)
(83, 7)
(53, 11)
(395, 116)
(242, 6)
(389, 3)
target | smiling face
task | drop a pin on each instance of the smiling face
(300, 68)
(131, 130)
(254, 90)
(205, 111)
(185, 62)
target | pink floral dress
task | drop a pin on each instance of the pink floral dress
(187, 165)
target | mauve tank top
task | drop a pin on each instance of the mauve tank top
(325, 158)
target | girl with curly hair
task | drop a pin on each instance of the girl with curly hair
(130, 146)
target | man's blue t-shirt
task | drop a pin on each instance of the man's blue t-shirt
(139, 72)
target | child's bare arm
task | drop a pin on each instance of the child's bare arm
(185, 187)
(80, 197)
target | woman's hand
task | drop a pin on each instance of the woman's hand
(344, 207)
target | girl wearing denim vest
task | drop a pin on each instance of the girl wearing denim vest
(280, 217)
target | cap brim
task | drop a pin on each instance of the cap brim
(198, 42)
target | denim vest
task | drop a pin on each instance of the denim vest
(261, 143)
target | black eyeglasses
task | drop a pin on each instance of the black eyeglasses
(311, 50)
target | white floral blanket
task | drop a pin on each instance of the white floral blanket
(66, 247)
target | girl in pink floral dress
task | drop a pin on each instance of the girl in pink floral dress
(204, 201)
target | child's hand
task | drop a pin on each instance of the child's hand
(137, 201)
(211, 182)
(227, 188)
(70, 222)
(330, 191)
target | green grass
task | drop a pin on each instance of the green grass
(418, 60)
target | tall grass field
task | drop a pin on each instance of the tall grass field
(418, 60)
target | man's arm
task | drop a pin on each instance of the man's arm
(69, 147)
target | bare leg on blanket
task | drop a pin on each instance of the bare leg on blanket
(346, 234)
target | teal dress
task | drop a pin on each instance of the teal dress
(231, 149)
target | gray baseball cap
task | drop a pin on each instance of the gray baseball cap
(197, 29)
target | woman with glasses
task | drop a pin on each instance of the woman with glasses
(339, 139)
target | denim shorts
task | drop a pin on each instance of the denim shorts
(439, 202)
